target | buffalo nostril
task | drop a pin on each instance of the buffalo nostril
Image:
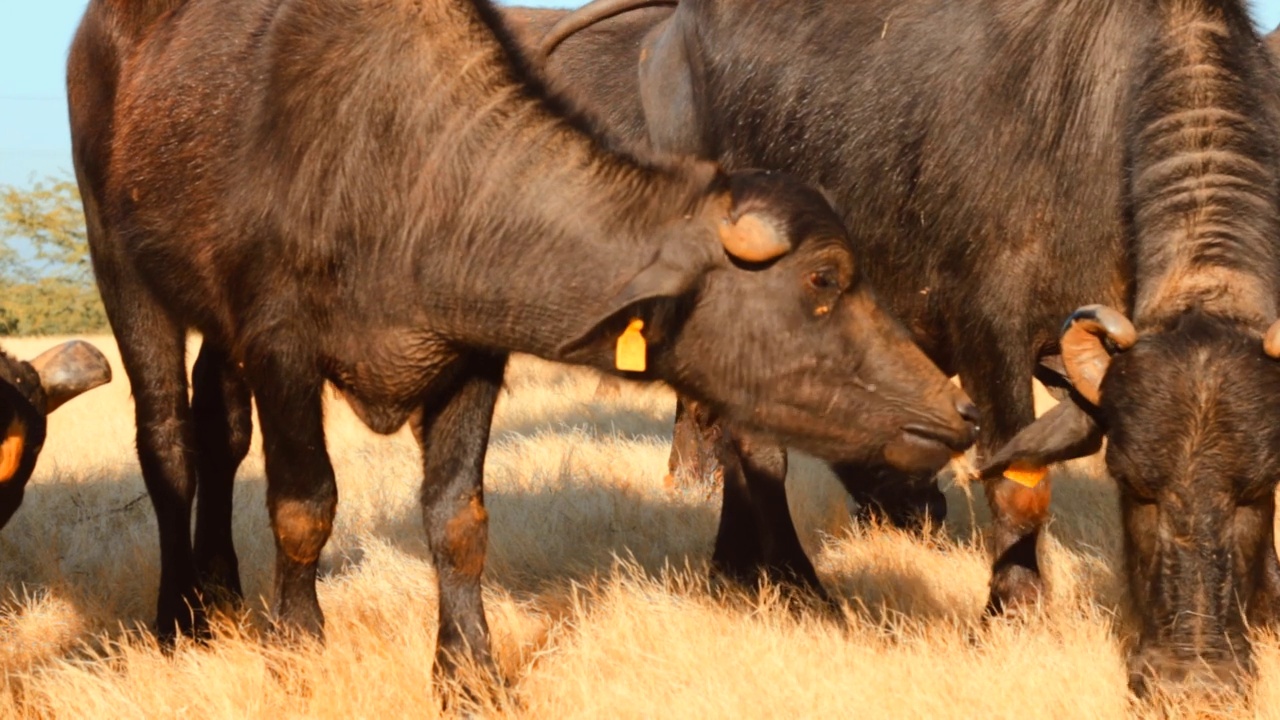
(967, 410)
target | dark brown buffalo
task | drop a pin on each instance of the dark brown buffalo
(28, 392)
(384, 197)
(1003, 166)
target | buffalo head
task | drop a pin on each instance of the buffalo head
(28, 392)
(1188, 408)
(775, 328)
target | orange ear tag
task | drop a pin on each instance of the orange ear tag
(631, 350)
(1025, 475)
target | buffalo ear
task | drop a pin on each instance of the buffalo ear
(667, 90)
(70, 369)
(678, 267)
(1064, 433)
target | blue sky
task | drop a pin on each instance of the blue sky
(33, 45)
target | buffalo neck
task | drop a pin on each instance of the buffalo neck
(426, 175)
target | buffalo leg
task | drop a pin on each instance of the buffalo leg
(1003, 394)
(153, 349)
(909, 502)
(454, 437)
(301, 494)
(220, 405)
(756, 534)
(694, 461)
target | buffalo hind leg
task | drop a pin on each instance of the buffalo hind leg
(301, 494)
(454, 435)
(883, 494)
(756, 534)
(220, 405)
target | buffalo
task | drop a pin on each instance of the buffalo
(29, 391)
(385, 197)
(1004, 166)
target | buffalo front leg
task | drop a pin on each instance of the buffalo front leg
(756, 535)
(220, 405)
(302, 497)
(1003, 394)
(454, 435)
(153, 349)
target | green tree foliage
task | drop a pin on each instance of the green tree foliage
(48, 288)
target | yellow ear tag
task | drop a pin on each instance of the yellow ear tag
(1025, 475)
(631, 351)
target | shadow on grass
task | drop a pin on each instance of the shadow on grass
(92, 543)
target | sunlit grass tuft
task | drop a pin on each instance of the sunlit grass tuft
(596, 589)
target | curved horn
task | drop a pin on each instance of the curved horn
(1271, 342)
(590, 14)
(70, 369)
(1083, 353)
(753, 239)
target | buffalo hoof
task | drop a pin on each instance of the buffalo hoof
(193, 625)
(471, 687)
(793, 582)
(1154, 672)
(220, 579)
(1015, 592)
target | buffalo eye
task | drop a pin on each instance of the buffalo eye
(822, 280)
(824, 289)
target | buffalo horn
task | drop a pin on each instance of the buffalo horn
(70, 369)
(753, 239)
(1083, 352)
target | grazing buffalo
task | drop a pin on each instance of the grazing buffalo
(29, 391)
(385, 197)
(1003, 166)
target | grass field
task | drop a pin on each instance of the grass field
(595, 589)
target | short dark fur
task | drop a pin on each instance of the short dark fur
(1001, 164)
(382, 196)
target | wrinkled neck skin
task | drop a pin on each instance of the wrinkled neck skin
(1203, 171)
(541, 283)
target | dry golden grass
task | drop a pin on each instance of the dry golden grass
(595, 589)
